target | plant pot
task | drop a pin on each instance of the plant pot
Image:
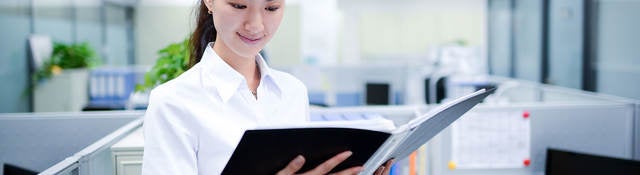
(66, 92)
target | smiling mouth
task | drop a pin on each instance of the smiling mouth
(249, 40)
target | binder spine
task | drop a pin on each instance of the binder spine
(383, 153)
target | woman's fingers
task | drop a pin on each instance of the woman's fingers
(384, 169)
(293, 166)
(323, 168)
(328, 165)
(350, 171)
(379, 170)
(388, 164)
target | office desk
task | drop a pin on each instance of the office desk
(127, 154)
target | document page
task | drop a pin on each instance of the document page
(377, 124)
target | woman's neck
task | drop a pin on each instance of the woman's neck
(246, 66)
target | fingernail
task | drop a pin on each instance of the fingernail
(298, 160)
(349, 153)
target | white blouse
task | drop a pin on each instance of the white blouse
(194, 122)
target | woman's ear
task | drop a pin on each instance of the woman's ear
(209, 4)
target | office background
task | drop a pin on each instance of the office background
(583, 44)
(126, 33)
(345, 51)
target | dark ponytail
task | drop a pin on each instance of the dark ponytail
(204, 33)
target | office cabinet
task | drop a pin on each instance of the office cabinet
(127, 154)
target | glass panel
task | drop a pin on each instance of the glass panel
(117, 44)
(500, 37)
(14, 16)
(527, 40)
(54, 18)
(618, 57)
(565, 43)
(89, 25)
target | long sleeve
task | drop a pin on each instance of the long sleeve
(170, 141)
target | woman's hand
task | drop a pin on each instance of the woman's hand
(323, 168)
(384, 169)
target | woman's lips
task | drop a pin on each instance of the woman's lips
(249, 40)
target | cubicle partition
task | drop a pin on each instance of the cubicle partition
(63, 143)
(511, 131)
(605, 129)
(636, 151)
(556, 117)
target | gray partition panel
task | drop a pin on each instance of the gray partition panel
(604, 129)
(37, 142)
(636, 136)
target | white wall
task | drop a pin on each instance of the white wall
(365, 28)
(285, 47)
(394, 29)
(158, 24)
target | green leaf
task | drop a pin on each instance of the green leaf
(172, 61)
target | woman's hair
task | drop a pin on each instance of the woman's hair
(204, 33)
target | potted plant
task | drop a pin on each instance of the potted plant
(173, 60)
(66, 56)
(61, 84)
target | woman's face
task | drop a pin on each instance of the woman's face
(245, 26)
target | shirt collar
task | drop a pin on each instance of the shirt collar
(227, 80)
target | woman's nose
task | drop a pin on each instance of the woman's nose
(254, 23)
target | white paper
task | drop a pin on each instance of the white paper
(377, 124)
(491, 140)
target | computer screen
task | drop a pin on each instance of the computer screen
(10, 169)
(377, 93)
(440, 90)
(560, 162)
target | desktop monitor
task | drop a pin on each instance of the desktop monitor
(435, 93)
(9, 169)
(560, 162)
(377, 94)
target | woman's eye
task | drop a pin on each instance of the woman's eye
(272, 8)
(238, 6)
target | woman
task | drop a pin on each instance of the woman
(194, 122)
